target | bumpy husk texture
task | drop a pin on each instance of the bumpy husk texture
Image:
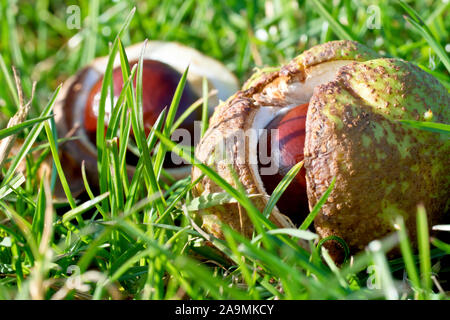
(382, 168)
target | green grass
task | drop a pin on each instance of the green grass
(137, 239)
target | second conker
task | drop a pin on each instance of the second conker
(159, 82)
(77, 105)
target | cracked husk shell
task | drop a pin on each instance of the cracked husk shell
(382, 168)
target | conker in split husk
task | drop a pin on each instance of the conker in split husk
(360, 109)
(290, 141)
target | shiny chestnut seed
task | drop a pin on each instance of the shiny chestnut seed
(159, 82)
(290, 142)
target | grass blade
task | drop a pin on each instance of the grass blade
(424, 249)
(382, 269)
(405, 247)
(57, 163)
(428, 126)
(169, 120)
(312, 215)
(30, 139)
(419, 25)
(205, 106)
(19, 127)
(281, 187)
(79, 210)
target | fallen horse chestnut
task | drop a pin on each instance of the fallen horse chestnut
(354, 101)
(76, 109)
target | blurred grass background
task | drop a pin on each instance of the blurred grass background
(39, 38)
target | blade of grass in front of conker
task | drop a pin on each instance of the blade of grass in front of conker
(211, 200)
(188, 111)
(360, 261)
(218, 243)
(295, 233)
(339, 240)
(125, 118)
(140, 137)
(205, 106)
(136, 179)
(281, 187)
(124, 138)
(256, 218)
(312, 215)
(107, 83)
(207, 171)
(61, 175)
(100, 132)
(443, 78)
(329, 261)
(107, 80)
(118, 108)
(436, 127)
(169, 121)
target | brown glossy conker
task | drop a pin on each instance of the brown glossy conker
(159, 82)
(290, 141)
